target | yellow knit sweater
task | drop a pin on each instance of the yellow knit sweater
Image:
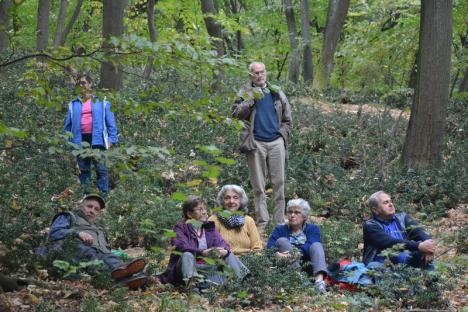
(243, 240)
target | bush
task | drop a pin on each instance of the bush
(409, 287)
(272, 280)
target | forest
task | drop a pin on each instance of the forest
(379, 93)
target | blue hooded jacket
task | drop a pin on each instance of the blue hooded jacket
(104, 126)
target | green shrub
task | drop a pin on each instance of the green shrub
(271, 280)
(340, 240)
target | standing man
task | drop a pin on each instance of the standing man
(91, 120)
(387, 228)
(267, 112)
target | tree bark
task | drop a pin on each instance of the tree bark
(294, 62)
(463, 86)
(42, 37)
(5, 6)
(74, 17)
(152, 33)
(307, 71)
(112, 25)
(215, 31)
(60, 22)
(414, 72)
(426, 129)
(212, 26)
(337, 12)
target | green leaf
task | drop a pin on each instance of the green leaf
(210, 149)
(200, 162)
(212, 172)
(196, 223)
(62, 265)
(169, 234)
(179, 196)
(226, 161)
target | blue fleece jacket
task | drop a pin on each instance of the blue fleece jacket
(100, 126)
(311, 231)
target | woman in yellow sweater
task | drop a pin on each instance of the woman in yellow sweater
(236, 228)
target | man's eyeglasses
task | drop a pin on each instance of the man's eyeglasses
(296, 212)
(258, 73)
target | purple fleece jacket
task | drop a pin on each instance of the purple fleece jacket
(186, 241)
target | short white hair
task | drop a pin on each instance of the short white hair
(300, 203)
(255, 63)
(373, 201)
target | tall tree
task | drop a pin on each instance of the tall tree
(424, 137)
(337, 12)
(463, 86)
(42, 38)
(152, 33)
(71, 22)
(307, 71)
(5, 6)
(60, 22)
(215, 31)
(294, 61)
(213, 27)
(112, 25)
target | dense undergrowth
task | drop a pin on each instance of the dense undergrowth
(180, 141)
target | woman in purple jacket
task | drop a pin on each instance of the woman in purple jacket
(197, 238)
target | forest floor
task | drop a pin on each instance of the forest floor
(65, 295)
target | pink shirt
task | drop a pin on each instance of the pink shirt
(86, 118)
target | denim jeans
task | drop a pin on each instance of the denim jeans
(84, 163)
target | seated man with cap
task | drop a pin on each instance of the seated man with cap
(91, 243)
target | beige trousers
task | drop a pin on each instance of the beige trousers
(268, 161)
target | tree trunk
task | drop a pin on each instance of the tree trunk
(152, 33)
(74, 17)
(60, 22)
(42, 38)
(235, 6)
(463, 86)
(112, 25)
(5, 6)
(307, 72)
(413, 79)
(216, 34)
(212, 26)
(424, 137)
(337, 11)
(294, 62)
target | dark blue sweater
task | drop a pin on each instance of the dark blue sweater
(266, 128)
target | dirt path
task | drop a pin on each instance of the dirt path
(328, 107)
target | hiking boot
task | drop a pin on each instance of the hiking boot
(134, 282)
(320, 287)
(128, 269)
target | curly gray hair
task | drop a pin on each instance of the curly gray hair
(235, 188)
(301, 203)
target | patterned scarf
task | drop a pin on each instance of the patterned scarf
(234, 221)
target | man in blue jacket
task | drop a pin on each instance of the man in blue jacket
(387, 228)
(91, 120)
